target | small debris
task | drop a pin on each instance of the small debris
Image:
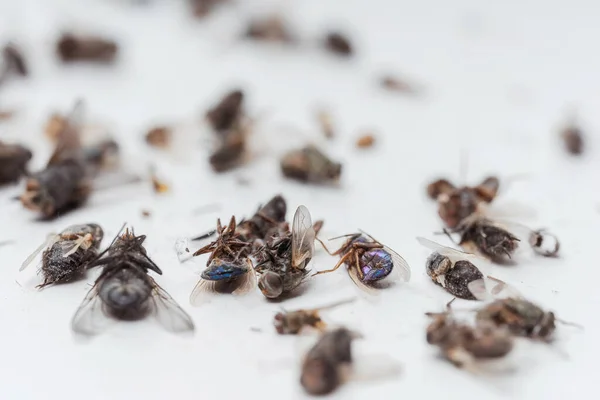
(339, 44)
(365, 141)
(159, 136)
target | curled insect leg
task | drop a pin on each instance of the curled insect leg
(340, 262)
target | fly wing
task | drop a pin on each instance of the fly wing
(168, 313)
(90, 318)
(69, 141)
(401, 269)
(50, 240)
(453, 254)
(202, 291)
(303, 237)
(247, 282)
(500, 288)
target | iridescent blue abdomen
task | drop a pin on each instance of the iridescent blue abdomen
(222, 270)
(376, 265)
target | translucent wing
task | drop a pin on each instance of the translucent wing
(90, 318)
(453, 254)
(478, 289)
(303, 237)
(247, 282)
(169, 313)
(50, 240)
(82, 241)
(202, 291)
(401, 270)
(500, 289)
(371, 291)
(182, 248)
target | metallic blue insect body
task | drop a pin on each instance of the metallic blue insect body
(224, 270)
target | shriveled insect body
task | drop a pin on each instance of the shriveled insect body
(292, 322)
(228, 112)
(321, 369)
(271, 28)
(462, 344)
(125, 291)
(201, 8)
(451, 269)
(369, 261)
(68, 253)
(71, 47)
(490, 239)
(13, 162)
(267, 222)
(310, 165)
(520, 316)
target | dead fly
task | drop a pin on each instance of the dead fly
(451, 269)
(520, 316)
(64, 183)
(457, 203)
(369, 262)
(13, 162)
(292, 322)
(159, 137)
(339, 44)
(67, 253)
(462, 344)
(201, 8)
(228, 268)
(323, 365)
(326, 123)
(310, 165)
(125, 291)
(573, 139)
(14, 63)
(71, 47)
(283, 260)
(269, 29)
(228, 112)
(231, 151)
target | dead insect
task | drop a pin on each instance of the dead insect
(462, 344)
(125, 291)
(13, 162)
(456, 204)
(228, 268)
(326, 123)
(269, 29)
(201, 8)
(228, 112)
(159, 136)
(292, 322)
(67, 253)
(231, 151)
(64, 183)
(451, 269)
(368, 261)
(14, 62)
(339, 44)
(520, 316)
(322, 369)
(71, 47)
(544, 243)
(394, 84)
(365, 141)
(283, 261)
(310, 165)
(573, 139)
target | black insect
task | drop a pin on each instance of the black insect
(68, 253)
(322, 366)
(13, 162)
(283, 261)
(451, 269)
(572, 137)
(125, 291)
(64, 183)
(227, 112)
(72, 47)
(338, 43)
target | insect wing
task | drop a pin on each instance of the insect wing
(478, 289)
(247, 282)
(182, 248)
(69, 141)
(169, 313)
(50, 240)
(453, 254)
(202, 291)
(303, 237)
(401, 269)
(90, 318)
(369, 290)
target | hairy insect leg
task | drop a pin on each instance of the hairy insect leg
(335, 253)
(340, 262)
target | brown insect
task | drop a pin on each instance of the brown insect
(201, 8)
(573, 139)
(13, 162)
(72, 47)
(231, 152)
(338, 43)
(462, 344)
(292, 322)
(64, 183)
(228, 112)
(394, 84)
(14, 62)
(310, 165)
(159, 136)
(457, 203)
(323, 366)
(271, 28)
(365, 141)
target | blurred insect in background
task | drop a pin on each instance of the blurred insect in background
(310, 165)
(283, 260)
(323, 365)
(270, 28)
(292, 322)
(572, 137)
(451, 269)
(462, 344)
(13, 162)
(125, 291)
(13, 63)
(73, 47)
(68, 253)
(368, 261)
(202, 8)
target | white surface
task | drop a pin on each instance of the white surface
(499, 79)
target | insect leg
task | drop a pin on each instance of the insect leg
(342, 260)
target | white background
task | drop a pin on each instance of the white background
(498, 79)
